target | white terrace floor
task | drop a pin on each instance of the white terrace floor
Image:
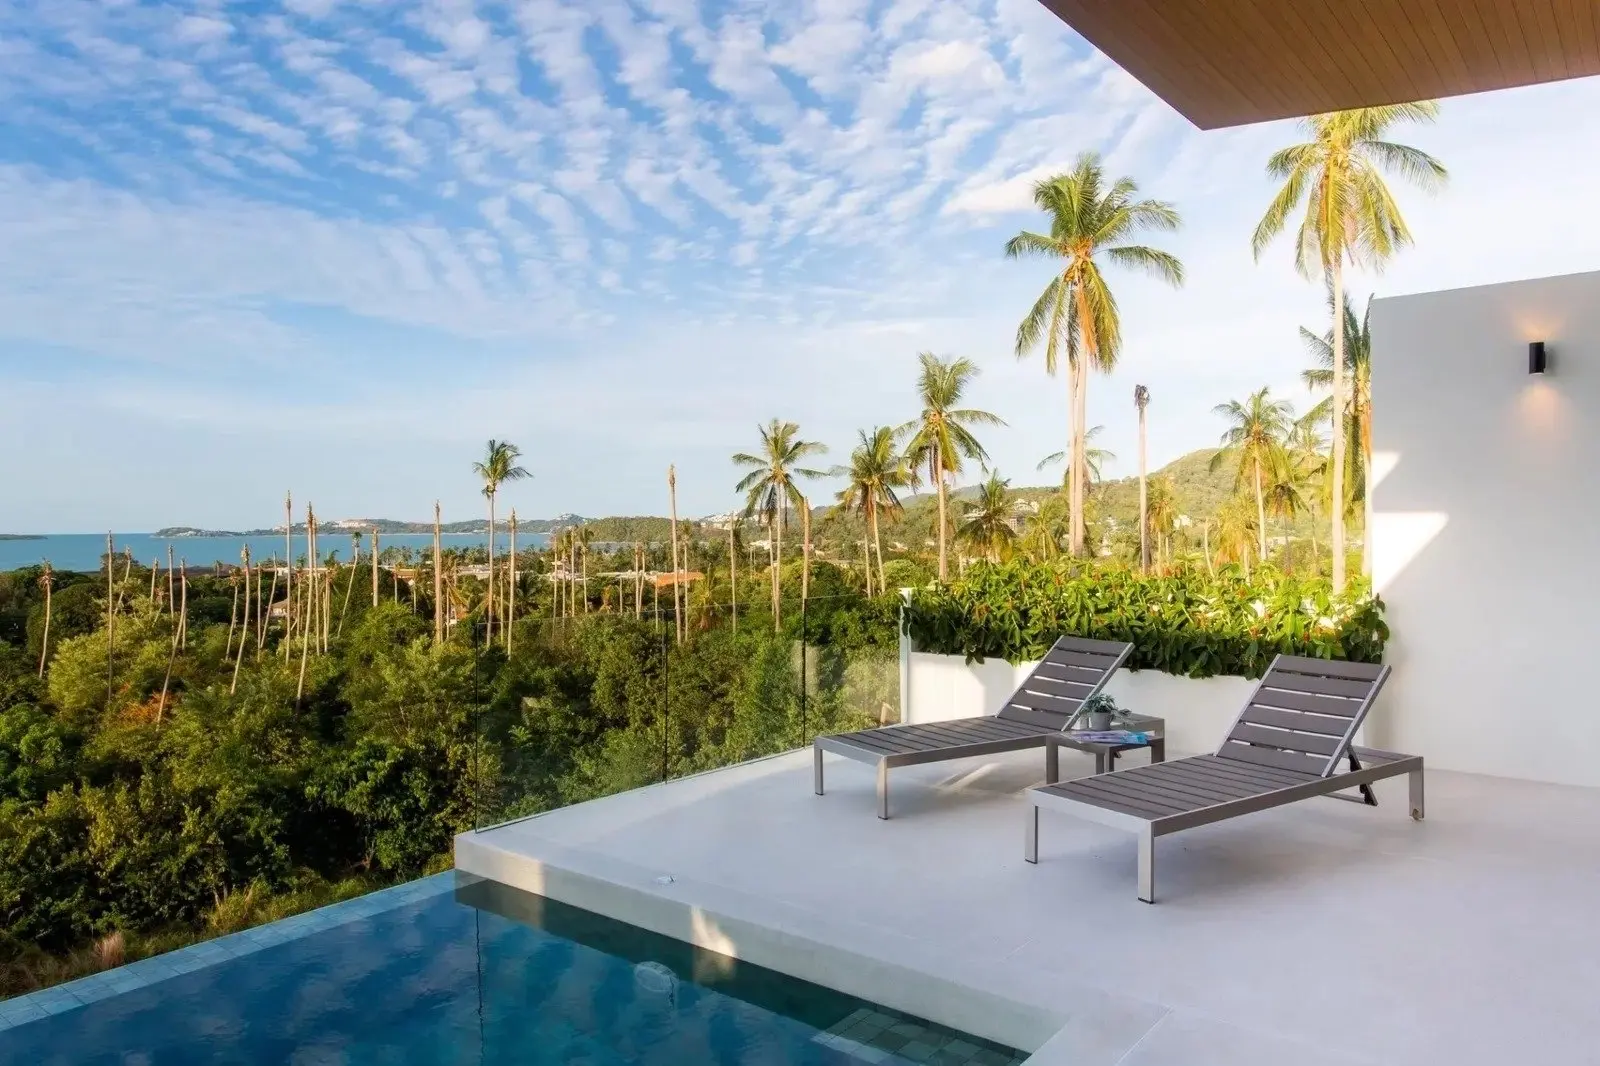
(1318, 934)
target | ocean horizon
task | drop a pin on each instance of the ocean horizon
(84, 551)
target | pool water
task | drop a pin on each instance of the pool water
(486, 975)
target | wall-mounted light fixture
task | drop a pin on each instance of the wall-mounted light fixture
(1536, 358)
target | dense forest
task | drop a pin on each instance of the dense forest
(174, 764)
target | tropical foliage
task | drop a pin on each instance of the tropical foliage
(1189, 623)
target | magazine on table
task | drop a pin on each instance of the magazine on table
(1112, 736)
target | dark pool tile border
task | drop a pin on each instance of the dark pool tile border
(135, 975)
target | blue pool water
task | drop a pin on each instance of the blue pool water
(485, 975)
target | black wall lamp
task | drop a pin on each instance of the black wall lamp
(1536, 358)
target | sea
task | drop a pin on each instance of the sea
(84, 551)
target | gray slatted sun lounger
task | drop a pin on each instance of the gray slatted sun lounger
(1292, 741)
(1074, 669)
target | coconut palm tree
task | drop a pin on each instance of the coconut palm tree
(1237, 531)
(498, 466)
(1094, 459)
(1076, 317)
(1161, 515)
(940, 438)
(1357, 408)
(987, 523)
(1305, 451)
(1141, 400)
(771, 487)
(1045, 529)
(1350, 217)
(876, 471)
(1254, 439)
(47, 581)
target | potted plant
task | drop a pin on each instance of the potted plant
(1099, 709)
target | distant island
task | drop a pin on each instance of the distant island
(384, 526)
(21, 536)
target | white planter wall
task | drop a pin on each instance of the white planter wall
(938, 688)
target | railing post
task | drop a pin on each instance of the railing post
(905, 660)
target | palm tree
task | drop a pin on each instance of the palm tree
(986, 524)
(1141, 400)
(1305, 453)
(1237, 527)
(1161, 513)
(939, 439)
(1076, 316)
(47, 581)
(498, 466)
(1044, 530)
(770, 488)
(1254, 437)
(876, 470)
(1350, 215)
(1094, 459)
(438, 581)
(1358, 406)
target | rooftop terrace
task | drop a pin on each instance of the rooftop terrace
(1319, 934)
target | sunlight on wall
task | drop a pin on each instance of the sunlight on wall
(1382, 464)
(1398, 538)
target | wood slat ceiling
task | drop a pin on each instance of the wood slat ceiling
(1229, 62)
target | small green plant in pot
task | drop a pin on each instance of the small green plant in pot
(1099, 710)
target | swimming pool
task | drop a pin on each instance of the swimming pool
(486, 975)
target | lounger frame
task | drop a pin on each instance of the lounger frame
(1252, 771)
(1039, 707)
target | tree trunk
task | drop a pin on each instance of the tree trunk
(288, 565)
(305, 627)
(233, 618)
(677, 611)
(488, 605)
(374, 567)
(1144, 502)
(511, 583)
(877, 542)
(44, 652)
(265, 608)
(938, 477)
(172, 585)
(733, 574)
(438, 581)
(183, 607)
(1205, 546)
(1336, 537)
(1080, 472)
(777, 569)
(805, 551)
(1261, 515)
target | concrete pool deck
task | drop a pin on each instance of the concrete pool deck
(1320, 934)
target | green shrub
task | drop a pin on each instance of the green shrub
(1192, 624)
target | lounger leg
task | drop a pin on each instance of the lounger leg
(883, 789)
(1030, 839)
(816, 752)
(1052, 764)
(1147, 866)
(1416, 794)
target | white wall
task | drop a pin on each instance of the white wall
(1198, 712)
(1485, 536)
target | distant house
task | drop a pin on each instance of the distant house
(685, 577)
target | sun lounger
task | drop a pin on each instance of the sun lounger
(1292, 741)
(1048, 701)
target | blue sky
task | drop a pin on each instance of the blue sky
(334, 245)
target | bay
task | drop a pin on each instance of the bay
(84, 551)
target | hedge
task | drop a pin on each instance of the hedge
(1191, 623)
